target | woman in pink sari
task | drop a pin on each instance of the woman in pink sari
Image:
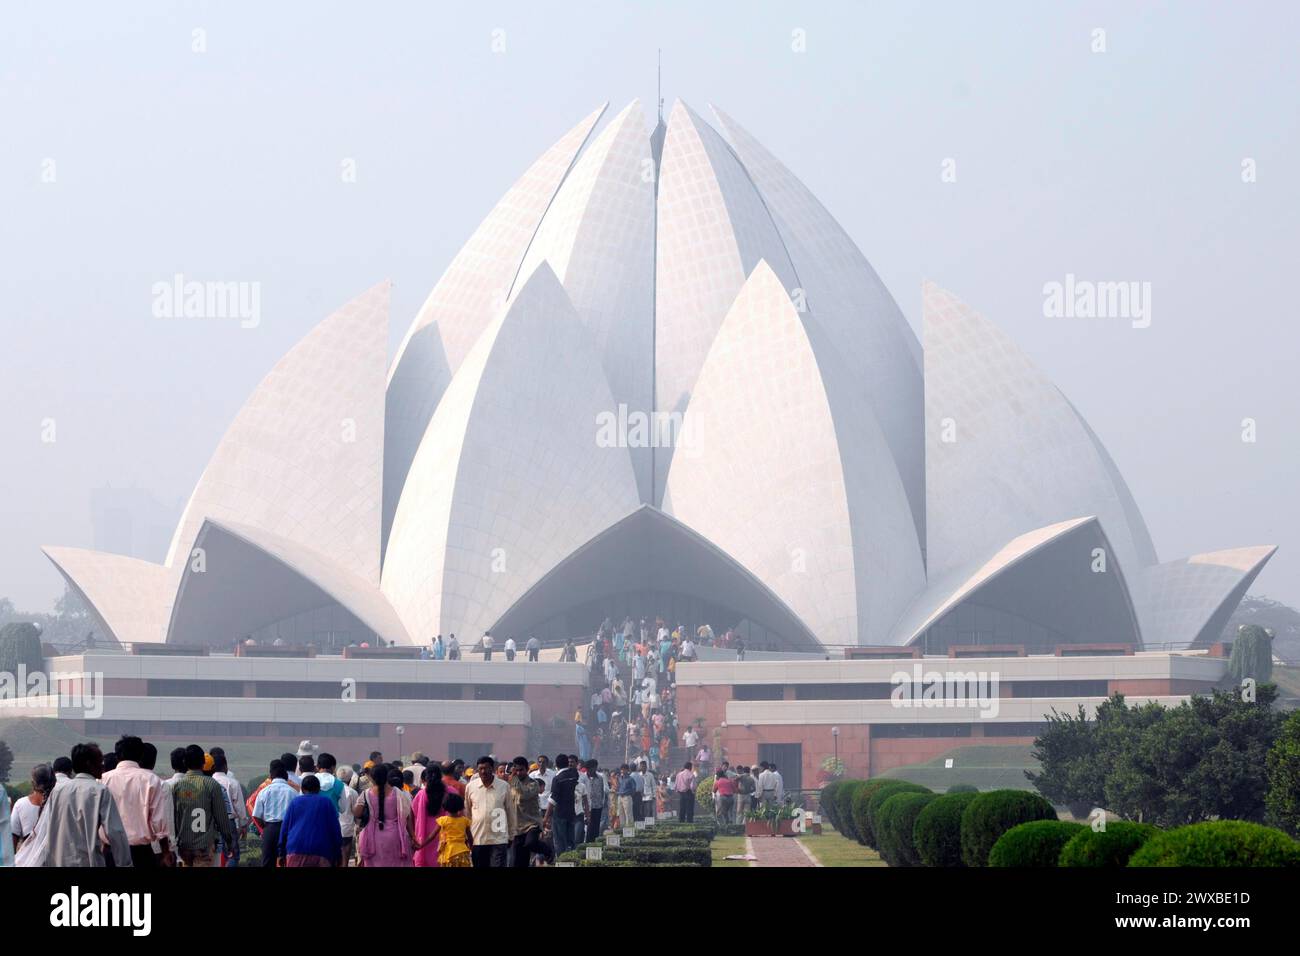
(426, 808)
(389, 833)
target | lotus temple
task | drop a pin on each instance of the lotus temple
(813, 476)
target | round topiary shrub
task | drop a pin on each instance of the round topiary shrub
(893, 826)
(857, 820)
(992, 814)
(1033, 844)
(937, 831)
(844, 797)
(867, 825)
(1110, 847)
(1219, 843)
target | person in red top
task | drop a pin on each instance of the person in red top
(725, 788)
(684, 784)
(451, 779)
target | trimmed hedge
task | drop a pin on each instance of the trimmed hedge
(867, 824)
(1034, 844)
(826, 801)
(1219, 843)
(893, 825)
(673, 855)
(856, 815)
(844, 797)
(937, 831)
(992, 814)
(1107, 848)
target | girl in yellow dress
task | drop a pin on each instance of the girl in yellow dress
(453, 830)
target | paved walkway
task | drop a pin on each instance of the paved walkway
(780, 851)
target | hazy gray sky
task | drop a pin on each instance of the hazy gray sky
(225, 165)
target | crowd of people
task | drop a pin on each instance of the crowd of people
(92, 809)
(95, 809)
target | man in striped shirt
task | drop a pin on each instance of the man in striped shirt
(200, 812)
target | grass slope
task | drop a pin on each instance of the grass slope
(989, 767)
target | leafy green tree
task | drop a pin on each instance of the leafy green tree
(1252, 654)
(1283, 767)
(6, 761)
(20, 643)
(1077, 753)
(1205, 759)
(1067, 753)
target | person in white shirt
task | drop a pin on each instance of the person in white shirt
(767, 784)
(780, 783)
(24, 814)
(648, 792)
(510, 648)
(688, 650)
(581, 802)
(63, 771)
(347, 822)
(235, 793)
(690, 739)
(545, 773)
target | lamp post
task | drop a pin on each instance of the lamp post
(835, 736)
(400, 730)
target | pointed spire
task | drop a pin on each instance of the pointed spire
(660, 85)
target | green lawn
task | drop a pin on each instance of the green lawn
(987, 766)
(833, 849)
(725, 846)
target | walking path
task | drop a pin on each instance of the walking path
(780, 851)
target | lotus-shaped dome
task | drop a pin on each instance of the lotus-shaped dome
(660, 379)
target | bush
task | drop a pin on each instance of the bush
(937, 831)
(703, 793)
(992, 814)
(893, 824)
(845, 799)
(20, 645)
(1219, 843)
(865, 808)
(1033, 844)
(17, 791)
(1283, 763)
(844, 807)
(1110, 847)
(826, 801)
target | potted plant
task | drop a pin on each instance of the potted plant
(832, 769)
